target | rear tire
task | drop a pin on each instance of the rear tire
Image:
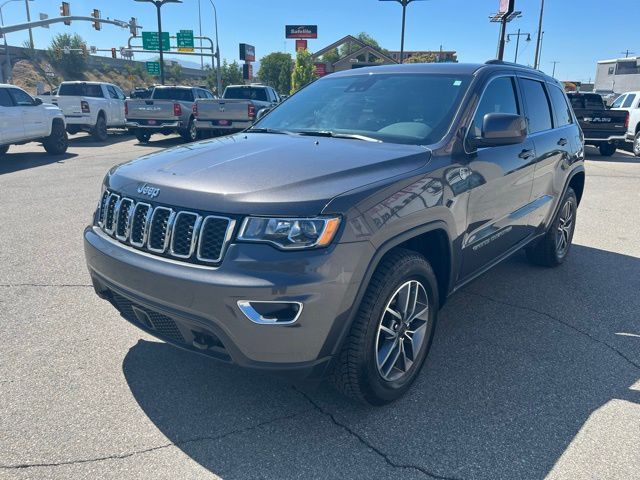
(378, 363)
(99, 131)
(4, 149)
(636, 144)
(553, 248)
(58, 141)
(191, 133)
(607, 149)
(143, 137)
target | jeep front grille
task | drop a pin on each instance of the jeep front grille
(192, 237)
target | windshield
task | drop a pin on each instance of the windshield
(80, 90)
(397, 108)
(182, 94)
(245, 93)
(588, 101)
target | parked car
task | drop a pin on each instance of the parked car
(324, 239)
(602, 128)
(168, 110)
(630, 103)
(26, 119)
(93, 107)
(236, 110)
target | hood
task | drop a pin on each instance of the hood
(263, 174)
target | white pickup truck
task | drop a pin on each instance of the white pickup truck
(26, 119)
(91, 106)
(236, 110)
(630, 102)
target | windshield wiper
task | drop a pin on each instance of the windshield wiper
(268, 130)
(329, 133)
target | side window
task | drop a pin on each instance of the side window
(538, 110)
(560, 106)
(618, 101)
(5, 98)
(112, 92)
(22, 98)
(120, 93)
(498, 97)
(629, 100)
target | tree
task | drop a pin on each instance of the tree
(73, 64)
(429, 57)
(349, 48)
(303, 71)
(275, 71)
(231, 75)
(173, 71)
(332, 56)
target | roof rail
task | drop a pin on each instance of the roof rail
(495, 61)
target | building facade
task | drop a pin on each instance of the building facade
(618, 75)
(439, 56)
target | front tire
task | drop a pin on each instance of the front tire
(636, 144)
(99, 131)
(607, 149)
(58, 141)
(392, 332)
(553, 248)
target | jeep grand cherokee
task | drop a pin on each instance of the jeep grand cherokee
(324, 239)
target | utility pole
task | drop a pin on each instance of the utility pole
(31, 45)
(627, 53)
(536, 61)
(555, 62)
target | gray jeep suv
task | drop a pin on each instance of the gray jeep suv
(324, 239)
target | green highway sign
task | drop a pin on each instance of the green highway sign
(185, 40)
(150, 41)
(153, 68)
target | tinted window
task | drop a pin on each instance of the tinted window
(409, 108)
(112, 92)
(21, 98)
(80, 90)
(498, 97)
(181, 94)
(618, 101)
(538, 111)
(629, 100)
(246, 93)
(561, 107)
(5, 98)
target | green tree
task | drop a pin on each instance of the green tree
(231, 74)
(303, 71)
(422, 58)
(73, 64)
(349, 48)
(275, 71)
(332, 56)
(173, 72)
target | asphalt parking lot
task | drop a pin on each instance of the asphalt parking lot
(534, 373)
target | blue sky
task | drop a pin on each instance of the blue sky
(575, 34)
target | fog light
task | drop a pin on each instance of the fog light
(270, 312)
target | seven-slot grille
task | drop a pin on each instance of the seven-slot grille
(188, 236)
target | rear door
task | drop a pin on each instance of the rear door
(116, 106)
(502, 177)
(11, 125)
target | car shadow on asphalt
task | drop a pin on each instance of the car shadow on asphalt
(14, 162)
(162, 141)
(86, 140)
(522, 358)
(621, 156)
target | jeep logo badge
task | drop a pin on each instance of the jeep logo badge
(148, 190)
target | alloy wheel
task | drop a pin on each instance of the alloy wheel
(565, 227)
(402, 330)
(636, 146)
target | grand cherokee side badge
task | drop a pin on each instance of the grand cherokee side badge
(148, 190)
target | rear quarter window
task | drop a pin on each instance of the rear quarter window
(538, 109)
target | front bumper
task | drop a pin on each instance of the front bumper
(202, 302)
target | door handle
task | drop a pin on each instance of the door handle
(562, 142)
(526, 154)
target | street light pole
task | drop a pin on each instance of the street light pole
(217, 55)
(404, 4)
(518, 35)
(536, 61)
(158, 4)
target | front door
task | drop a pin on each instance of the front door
(497, 215)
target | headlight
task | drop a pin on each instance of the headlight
(290, 233)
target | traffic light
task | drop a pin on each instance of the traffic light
(65, 11)
(58, 53)
(113, 53)
(133, 26)
(83, 46)
(96, 14)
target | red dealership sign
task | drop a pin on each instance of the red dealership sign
(301, 45)
(301, 31)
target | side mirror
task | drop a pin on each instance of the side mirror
(37, 101)
(262, 112)
(500, 129)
